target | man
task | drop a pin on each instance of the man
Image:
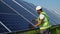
(43, 21)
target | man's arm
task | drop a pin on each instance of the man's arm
(41, 20)
(39, 23)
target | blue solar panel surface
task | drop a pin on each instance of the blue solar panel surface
(11, 19)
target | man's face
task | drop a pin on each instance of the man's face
(39, 11)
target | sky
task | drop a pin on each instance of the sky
(49, 4)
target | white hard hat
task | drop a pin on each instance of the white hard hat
(38, 7)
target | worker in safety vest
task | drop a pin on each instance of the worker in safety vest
(43, 21)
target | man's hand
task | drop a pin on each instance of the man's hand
(35, 26)
(33, 20)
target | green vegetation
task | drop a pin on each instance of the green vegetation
(55, 29)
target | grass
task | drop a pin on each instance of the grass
(55, 29)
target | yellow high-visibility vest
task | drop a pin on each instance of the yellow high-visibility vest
(45, 24)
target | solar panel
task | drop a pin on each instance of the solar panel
(11, 18)
(2, 29)
(17, 15)
(53, 16)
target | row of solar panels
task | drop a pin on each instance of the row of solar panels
(12, 19)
